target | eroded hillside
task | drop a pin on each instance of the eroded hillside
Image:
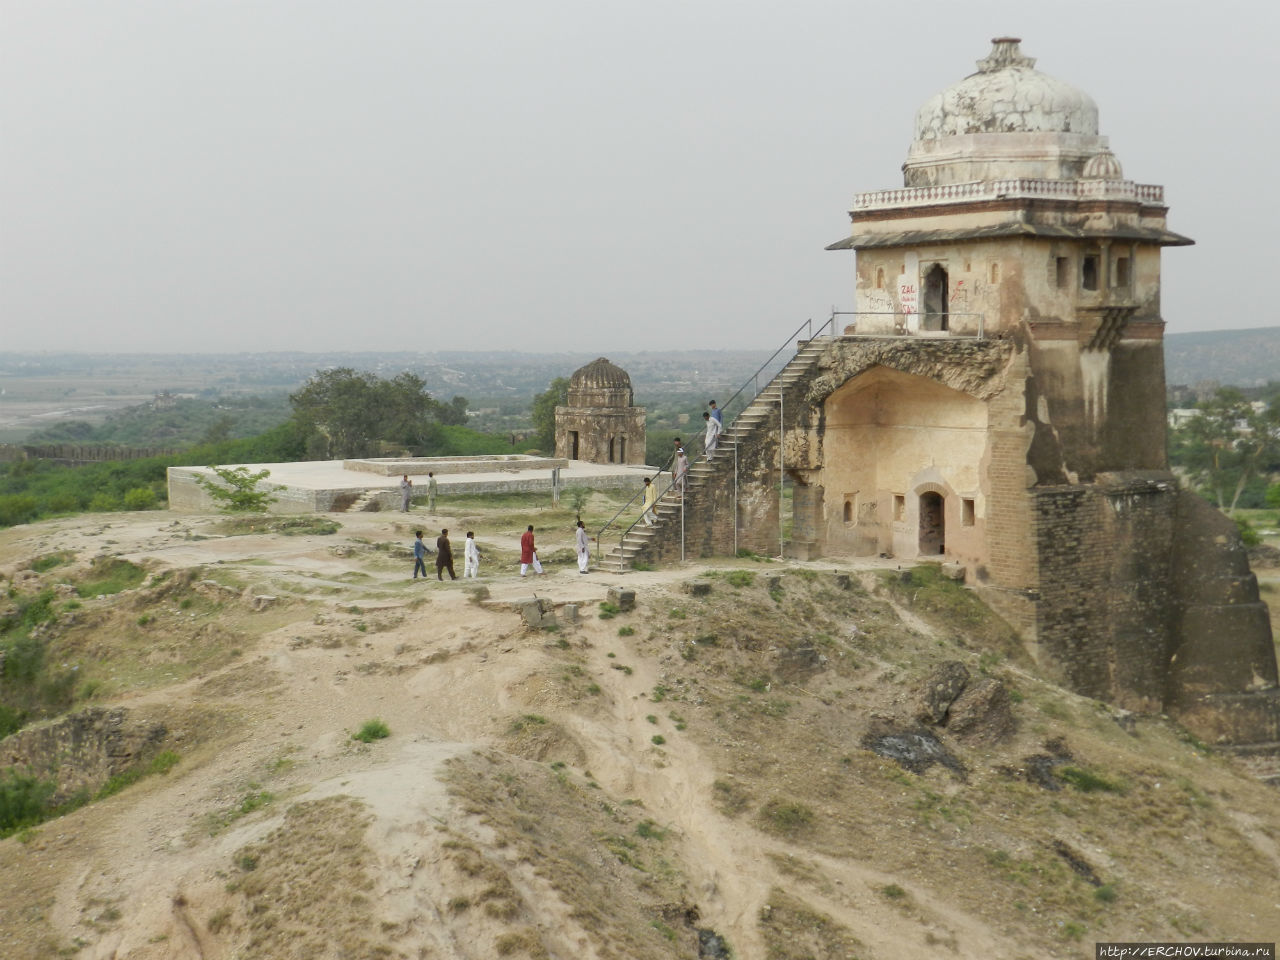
(778, 760)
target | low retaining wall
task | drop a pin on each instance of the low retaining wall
(421, 466)
(187, 496)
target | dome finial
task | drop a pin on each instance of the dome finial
(1005, 53)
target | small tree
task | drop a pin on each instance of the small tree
(238, 490)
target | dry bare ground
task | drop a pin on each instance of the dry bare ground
(642, 784)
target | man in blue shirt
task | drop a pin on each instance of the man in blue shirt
(419, 557)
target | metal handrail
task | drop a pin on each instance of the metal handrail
(698, 455)
(754, 378)
(696, 458)
(625, 507)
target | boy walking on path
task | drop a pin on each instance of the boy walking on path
(432, 486)
(406, 491)
(444, 556)
(471, 557)
(419, 557)
(528, 553)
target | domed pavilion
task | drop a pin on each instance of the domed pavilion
(600, 422)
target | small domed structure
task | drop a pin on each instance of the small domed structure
(600, 384)
(1007, 121)
(600, 422)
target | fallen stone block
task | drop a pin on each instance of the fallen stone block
(940, 691)
(262, 602)
(622, 598)
(982, 712)
(698, 588)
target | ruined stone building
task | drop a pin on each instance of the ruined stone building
(600, 422)
(996, 399)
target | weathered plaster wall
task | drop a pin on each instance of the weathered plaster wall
(596, 428)
(892, 435)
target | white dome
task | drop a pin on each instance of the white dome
(1007, 95)
(1008, 120)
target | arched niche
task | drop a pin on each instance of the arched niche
(895, 436)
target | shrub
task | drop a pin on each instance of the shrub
(139, 498)
(237, 489)
(740, 578)
(17, 508)
(24, 800)
(372, 730)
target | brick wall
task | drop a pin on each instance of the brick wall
(1106, 602)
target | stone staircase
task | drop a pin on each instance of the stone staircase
(757, 416)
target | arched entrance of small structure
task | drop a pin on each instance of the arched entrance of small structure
(937, 297)
(933, 524)
(889, 438)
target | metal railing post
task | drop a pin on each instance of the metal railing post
(782, 436)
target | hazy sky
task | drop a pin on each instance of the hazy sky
(245, 175)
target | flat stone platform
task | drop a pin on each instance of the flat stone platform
(326, 486)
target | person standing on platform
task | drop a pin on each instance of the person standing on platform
(583, 543)
(529, 553)
(419, 557)
(406, 492)
(471, 557)
(432, 487)
(444, 556)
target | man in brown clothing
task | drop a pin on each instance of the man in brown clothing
(444, 556)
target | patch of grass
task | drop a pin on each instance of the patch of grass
(608, 610)
(740, 578)
(650, 830)
(251, 802)
(626, 631)
(1071, 930)
(786, 818)
(659, 693)
(109, 576)
(893, 892)
(289, 526)
(658, 739)
(1088, 782)
(1106, 893)
(372, 730)
(623, 667)
(641, 566)
(652, 718)
(51, 560)
(678, 613)
(528, 720)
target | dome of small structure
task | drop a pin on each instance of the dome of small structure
(600, 384)
(1007, 95)
(1103, 165)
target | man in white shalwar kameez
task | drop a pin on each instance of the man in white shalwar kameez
(583, 543)
(713, 433)
(472, 566)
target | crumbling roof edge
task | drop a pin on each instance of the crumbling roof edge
(905, 238)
